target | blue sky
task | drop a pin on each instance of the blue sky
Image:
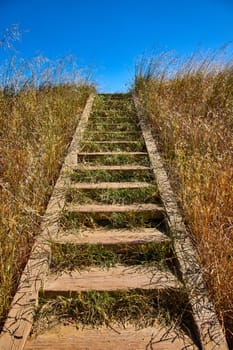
(110, 35)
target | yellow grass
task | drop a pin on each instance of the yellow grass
(190, 105)
(36, 126)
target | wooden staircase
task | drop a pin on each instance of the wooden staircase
(110, 200)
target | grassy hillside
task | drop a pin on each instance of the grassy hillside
(36, 126)
(190, 105)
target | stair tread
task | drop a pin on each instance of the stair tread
(110, 185)
(125, 123)
(108, 208)
(105, 338)
(113, 141)
(112, 153)
(111, 236)
(110, 279)
(111, 167)
(115, 132)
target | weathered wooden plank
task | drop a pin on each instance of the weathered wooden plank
(112, 142)
(110, 185)
(111, 236)
(115, 132)
(110, 279)
(115, 338)
(136, 208)
(112, 167)
(96, 154)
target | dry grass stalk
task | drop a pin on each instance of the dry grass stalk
(191, 106)
(36, 125)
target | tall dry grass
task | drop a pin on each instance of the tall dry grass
(40, 103)
(190, 105)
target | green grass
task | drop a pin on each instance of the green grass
(108, 127)
(117, 136)
(95, 119)
(91, 146)
(105, 107)
(113, 116)
(116, 159)
(113, 196)
(141, 308)
(72, 220)
(96, 176)
(72, 257)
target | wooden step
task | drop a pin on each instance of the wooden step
(158, 211)
(116, 135)
(110, 185)
(112, 167)
(115, 132)
(110, 279)
(116, 127)
(111, 157)
(124, 121)
(85, 172)
(113, 119)
(114, 124)
(115, 338)
(112, 142)
(111, 236)
(96, 154)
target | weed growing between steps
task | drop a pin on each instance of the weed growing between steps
(93, 119)
(96, 176)
(117, 159)
(113, 196)
(138, 307)
(130, 120)
(114, 136)
(108, 108)
(72, 257)
(72, 220)
(108, 127)
(92, 146)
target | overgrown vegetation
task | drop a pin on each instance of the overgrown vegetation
(111, 175)
(39, 110)
(141, 308)
(117, 146)
(115, 159)
(71, 219)
(190, 105)
(114, 196)
(70, 256)
(114, 136)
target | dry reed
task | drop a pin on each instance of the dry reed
(190, 105)
(39, 110)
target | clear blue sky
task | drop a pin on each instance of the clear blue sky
(109, 35)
